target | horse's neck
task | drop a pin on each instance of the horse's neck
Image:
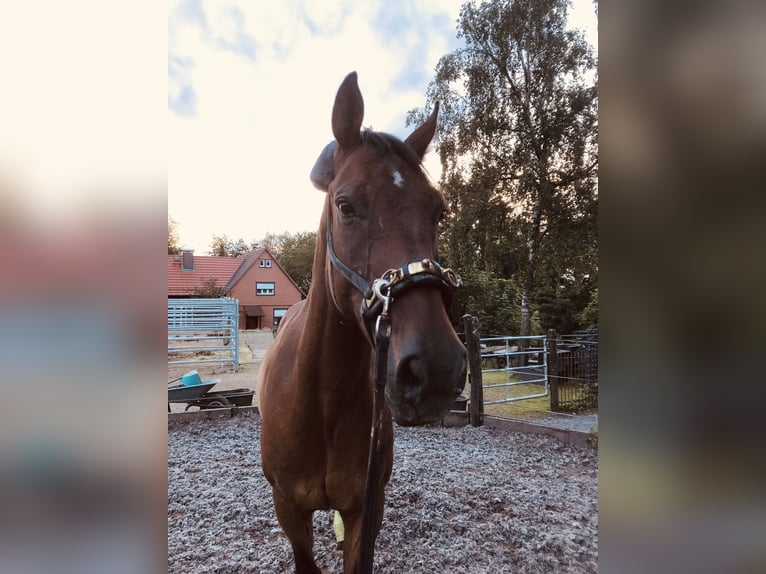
(338, 345)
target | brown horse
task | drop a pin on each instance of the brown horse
(315, 391)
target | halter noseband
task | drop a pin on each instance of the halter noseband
(376, 297)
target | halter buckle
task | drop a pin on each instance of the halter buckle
(382, 290)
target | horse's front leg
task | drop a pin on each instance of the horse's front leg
(298, 526)
(352, 529)
(352, 525)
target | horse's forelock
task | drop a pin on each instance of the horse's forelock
(384, 142)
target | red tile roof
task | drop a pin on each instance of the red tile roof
(251, 258)
(205, 267)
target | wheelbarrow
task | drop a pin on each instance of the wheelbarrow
(195, 393)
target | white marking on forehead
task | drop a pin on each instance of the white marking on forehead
(398, 179)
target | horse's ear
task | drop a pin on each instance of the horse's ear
(421, 137)
(347, 113)
(322, 173)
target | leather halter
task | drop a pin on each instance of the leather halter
(377, 296)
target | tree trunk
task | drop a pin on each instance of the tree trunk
(525, 329)
(533, 242)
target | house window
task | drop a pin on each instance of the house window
(264, 288)
(264, 262)
(278, 314)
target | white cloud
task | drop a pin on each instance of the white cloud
(240, 165)
(264, 76)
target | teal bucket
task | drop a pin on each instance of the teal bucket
(190, 379)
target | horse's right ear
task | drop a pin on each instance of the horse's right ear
(323, 173)
(347, 113)
(420, 139)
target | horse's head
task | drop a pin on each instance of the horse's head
(382, 214)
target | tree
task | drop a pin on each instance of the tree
(273, 242)
(589, 316)
(518, 146)
(490, 298)
(295, 253)
(297, 257)
(222, 246)
(210, 290)
(173, 242)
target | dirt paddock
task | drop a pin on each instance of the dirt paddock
(460, 500)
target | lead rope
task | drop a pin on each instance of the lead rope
(372, 486)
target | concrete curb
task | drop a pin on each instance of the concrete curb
(569, 436)
(211, 414)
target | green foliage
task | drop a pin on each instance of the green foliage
(561, 301)
(518, 146)
(209, 290)
(295, 253)
(174, 248)
(589, 315)
(493, 301)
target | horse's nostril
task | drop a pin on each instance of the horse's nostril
(412, 375)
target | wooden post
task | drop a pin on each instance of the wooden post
(476, 404)
(553, 371)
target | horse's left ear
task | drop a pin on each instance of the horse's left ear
(347, 113)
(421, 137)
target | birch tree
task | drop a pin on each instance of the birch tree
(518, 145)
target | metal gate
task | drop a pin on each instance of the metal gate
(574, 372)
(524, 360)
(203, 331)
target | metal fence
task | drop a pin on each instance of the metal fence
(564, 367)
(573, 373)
(203, 331)
(524, 360)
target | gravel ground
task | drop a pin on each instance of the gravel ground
(460, 500)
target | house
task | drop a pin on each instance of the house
(264, 289)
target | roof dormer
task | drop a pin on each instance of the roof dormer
(187, 259)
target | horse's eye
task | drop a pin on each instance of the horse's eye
(346, 209)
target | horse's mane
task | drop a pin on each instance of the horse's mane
(383, 142)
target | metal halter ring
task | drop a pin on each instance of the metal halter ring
(384, 283)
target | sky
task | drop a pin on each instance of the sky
(250, 92)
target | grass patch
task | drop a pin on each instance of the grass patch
(575, 398)
(522, 409)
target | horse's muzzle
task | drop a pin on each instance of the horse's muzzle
(424, 388)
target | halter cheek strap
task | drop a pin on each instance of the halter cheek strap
(349, 274)
(376, 297)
